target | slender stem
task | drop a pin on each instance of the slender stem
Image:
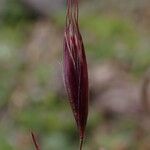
(81, 143)
(35, 141)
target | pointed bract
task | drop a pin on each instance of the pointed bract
(75, 68)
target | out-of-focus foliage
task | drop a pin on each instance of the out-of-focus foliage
(14, 13)
(32, 96)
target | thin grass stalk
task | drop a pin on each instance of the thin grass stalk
(37, 147)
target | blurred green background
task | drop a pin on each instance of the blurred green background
(32, 96)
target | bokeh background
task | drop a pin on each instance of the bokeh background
(116, 35)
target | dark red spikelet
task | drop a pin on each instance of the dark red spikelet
(35, 141)
(75, 68)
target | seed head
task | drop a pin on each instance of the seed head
(75, 68)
